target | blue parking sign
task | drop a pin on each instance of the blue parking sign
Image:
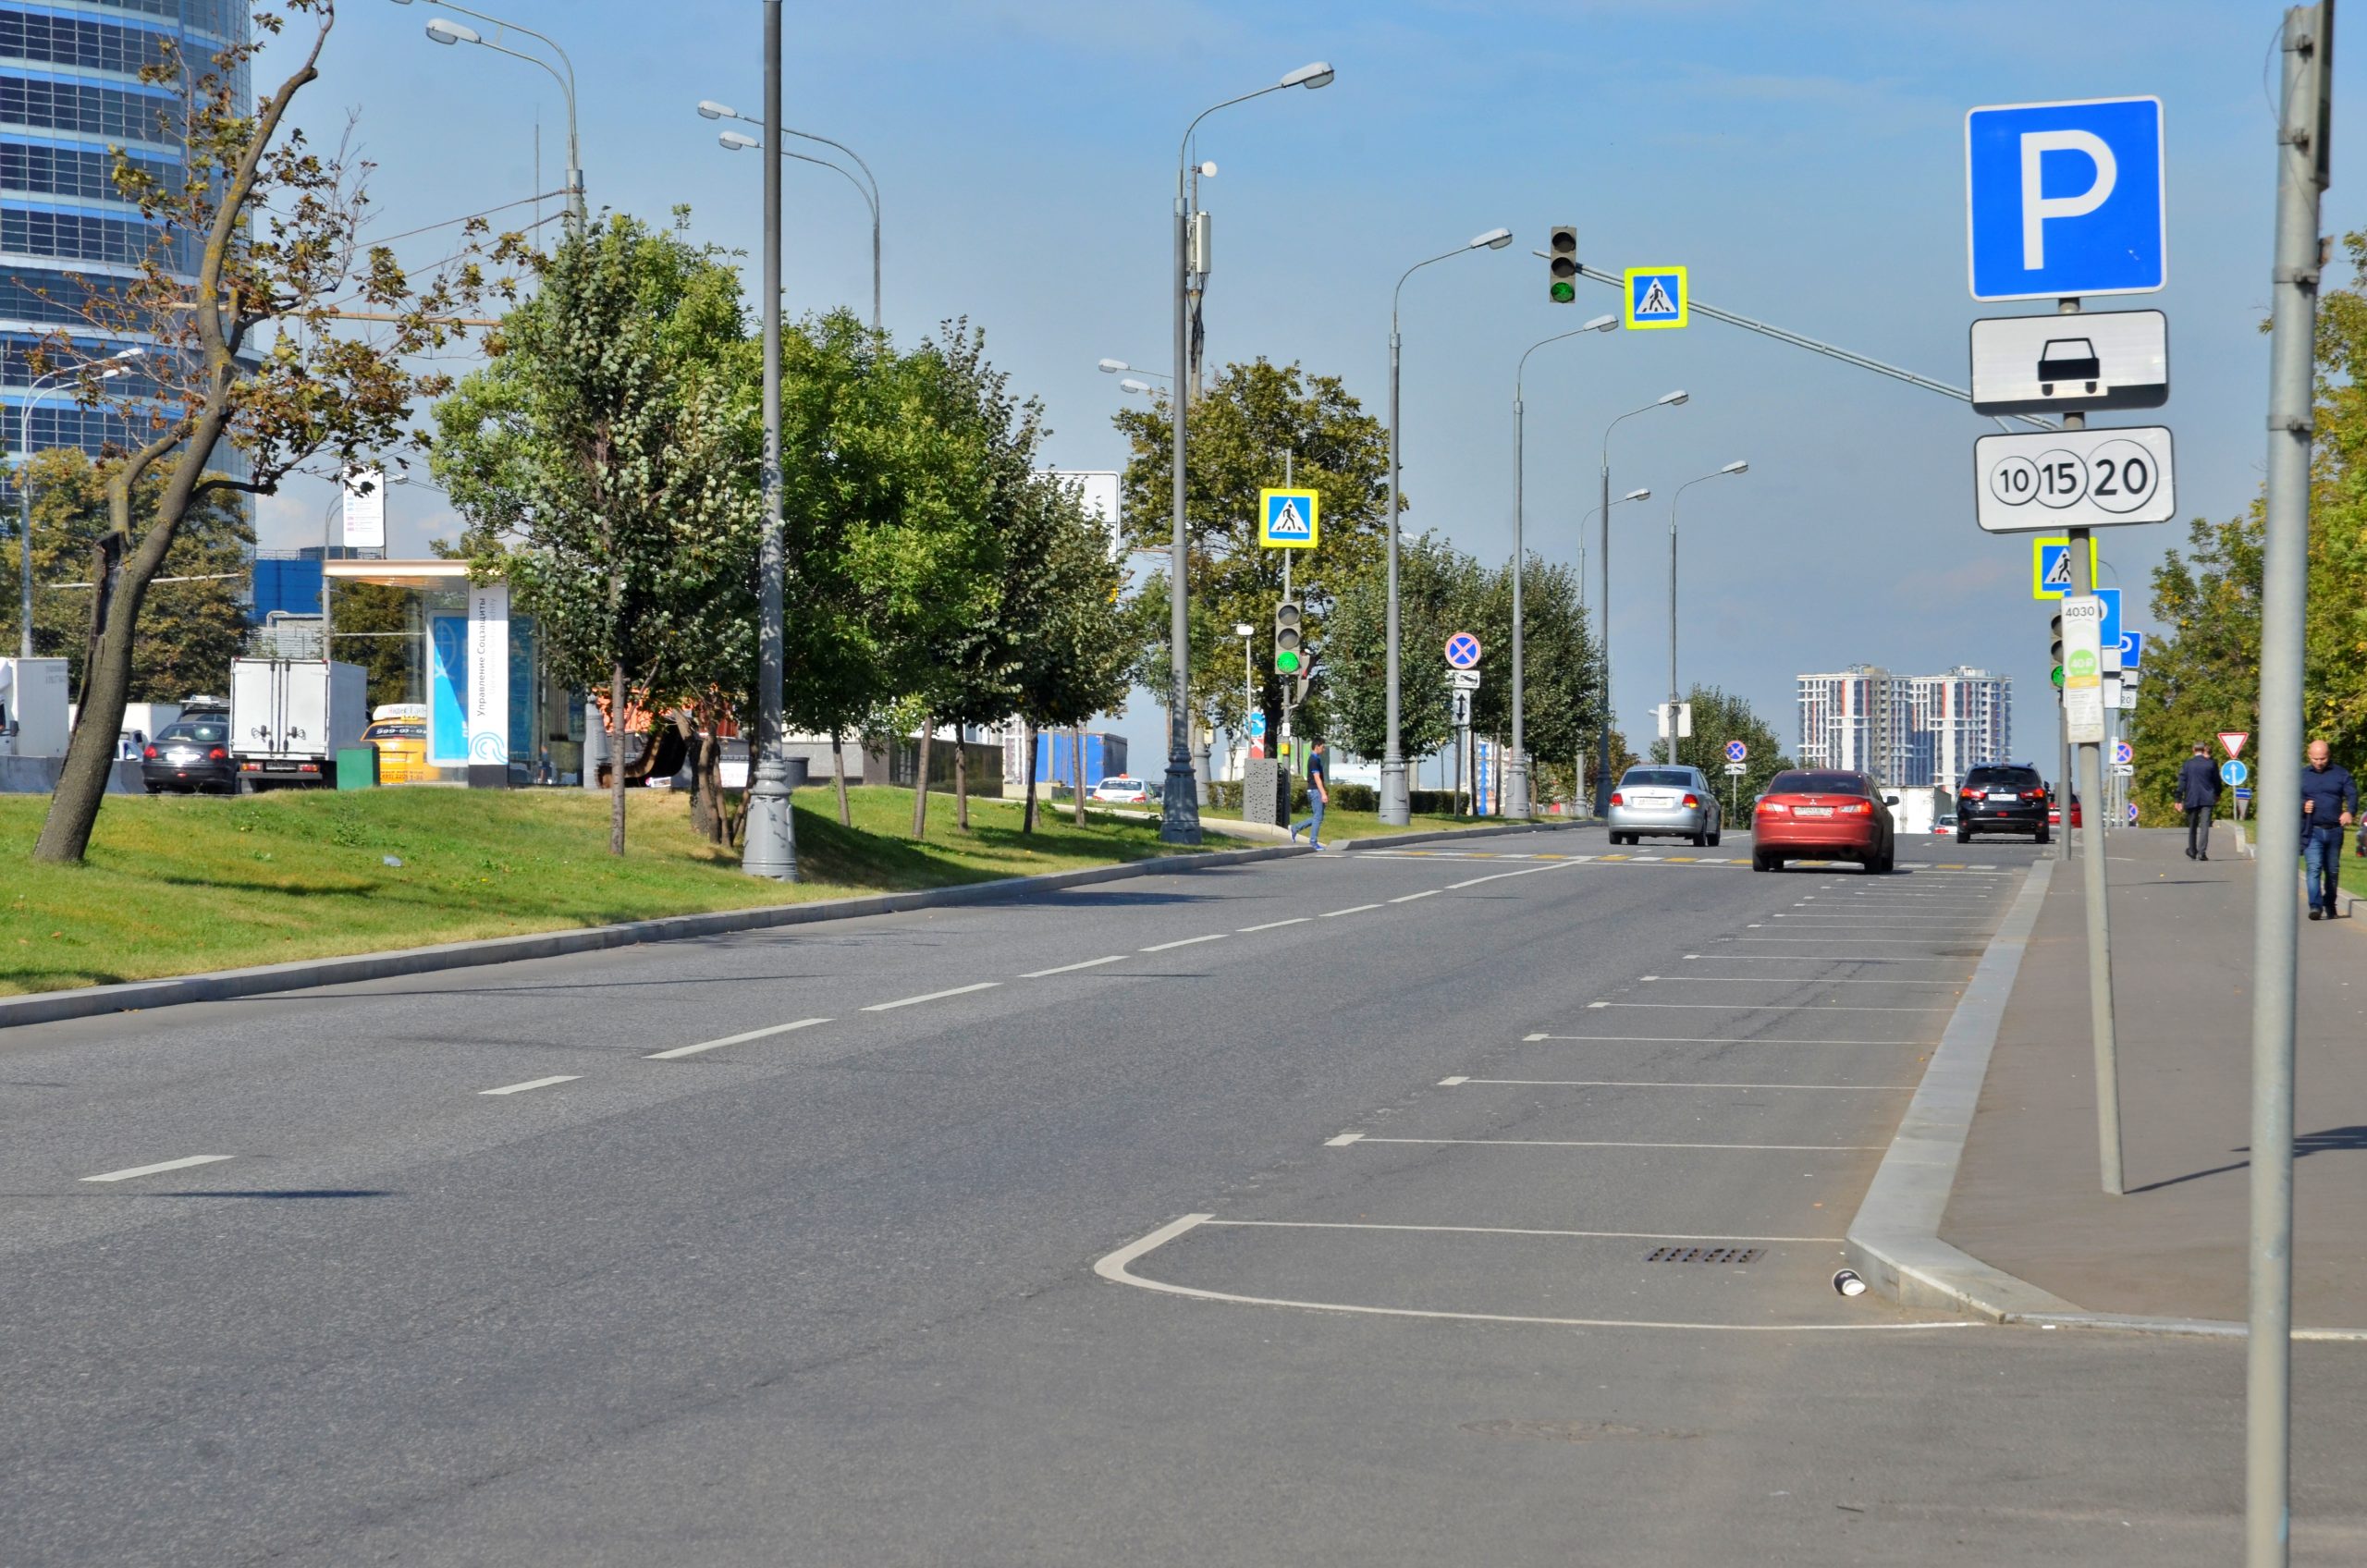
(2109, 634)
(2066, 199)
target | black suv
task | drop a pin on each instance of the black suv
(2002, 797)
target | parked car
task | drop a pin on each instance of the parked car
(2003, 797)
(2055, 813)
(398, 730)
(1823, 814)
(1664, 803)
(192, 755)
(1944, 825)
(1120, 791)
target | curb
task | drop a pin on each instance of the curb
(1894, 1242)
(223, 984)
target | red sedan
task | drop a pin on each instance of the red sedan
(2055, 812)
(1815, 814)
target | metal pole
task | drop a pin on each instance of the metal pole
(25, 524)
(1395, 804)
(771, 847)
(1672, 623)
(2091, 848)
(1179, 820)
(1516, 764)
(2301, 157)
(1602, 620)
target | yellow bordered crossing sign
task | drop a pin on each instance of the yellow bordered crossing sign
(1288, 520)
(2050, 566)
(1657, 298)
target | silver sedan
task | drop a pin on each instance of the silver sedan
(1670, 802)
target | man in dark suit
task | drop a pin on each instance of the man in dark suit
(2198, 792)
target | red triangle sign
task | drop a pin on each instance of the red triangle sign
(2233, 741)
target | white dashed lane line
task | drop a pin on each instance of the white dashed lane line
(932, 997)
(1066, 968)
(1409, 898)
(1352, 909)
(533, 1084)
(1182, 942)
(718, 1045)
(159, 1167)
(1273, 925)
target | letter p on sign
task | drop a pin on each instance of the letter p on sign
(2037, 206)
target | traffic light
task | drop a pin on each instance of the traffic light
(1290, 656)
(1562, 264)
(2055, 653)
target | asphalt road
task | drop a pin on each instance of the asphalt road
(1298, 1212)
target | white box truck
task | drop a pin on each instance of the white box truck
(288, 716)
(33, 714)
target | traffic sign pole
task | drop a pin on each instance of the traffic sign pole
(2090, 788)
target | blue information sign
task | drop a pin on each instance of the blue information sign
(2233, 772)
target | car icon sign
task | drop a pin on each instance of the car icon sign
(2068, 358)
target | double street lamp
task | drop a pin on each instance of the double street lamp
(867, 186)
(1179, 820)
(1732, 467)
(452, 33)
(1516, 802)
(1395, 804)
(1602, 774)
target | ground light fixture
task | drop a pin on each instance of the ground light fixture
(1847, 1283)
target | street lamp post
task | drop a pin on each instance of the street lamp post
(1179, 820)
(710, 109)
(1732, 467)
(1243, 631)
(1516, 802)
(25, 490)
(771, 847)
(1396, 806)
(1603, 773)
(447, 32)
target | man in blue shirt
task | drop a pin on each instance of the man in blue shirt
(1319, 795)
(2329, 799)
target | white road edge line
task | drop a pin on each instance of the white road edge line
(1294, 920)
(1716, 1040)
(1409, 898)
(1498, 877)
(732, 1040)
(1184, 942)
(1611, 1144)
(1774, 1006)
(1065, 968)
(933, 996)
(163, 1165)
(1506, 1231)
(1352, 909)
(1668, 1083)
(533, 1084)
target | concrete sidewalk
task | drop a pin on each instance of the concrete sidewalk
(2027, 1198)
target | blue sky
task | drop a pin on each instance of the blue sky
(1805, 162)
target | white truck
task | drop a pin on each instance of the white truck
(35, 719)
(288, 716)
(1920, 807)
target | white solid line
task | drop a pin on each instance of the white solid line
(1505, 1230)
(1818, 957)
(933, 996)
(1604, 1144)
(1666, 1083)
(1798, 980)
(1715, 1040)
(533, 1084)
(1353, 908)
(1343, 1140)
(1115, 1269)
(181, 1164)
(1065, 968)
(1294, 920)
(1648, 977)
(732, 1040)
(1451, 1082)
(1425, 893)
(1828, 941)
(1524, 871)
(1182, 942)
(1775, 1006)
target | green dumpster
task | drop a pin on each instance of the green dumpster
(356, 768)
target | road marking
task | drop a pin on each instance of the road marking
(1505, 1230)
(163, 1165)
(933, 996)
(1829, 941)
(1182, 942)
(1801, 980)
(1352, 909)
(1409, 898)
(1065, 968)
(727, 1040)
(1715, 1040)
(1116, 1268)
(1294, 920)
(1343, 1140)
(1604, 1144)
(1451, 1082)
(1524, 871)
(1648, 977)
(533, 1084)
(1776, 1007)
(1820, 958)
(1668, 1083)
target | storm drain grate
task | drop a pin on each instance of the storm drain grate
(1702, 1255)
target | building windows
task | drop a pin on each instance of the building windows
(1906, 729)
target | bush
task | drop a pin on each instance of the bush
(1355, 797)
(1226, 794)
(1434, 803)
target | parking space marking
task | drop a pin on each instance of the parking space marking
(159, 1167)
(1608, 1144)
(729, 1040)
(1352, 909)
(1272, 924)
(1708, 1040)
(1819, 958)
(1829, 941)
(1775, 1006)
(1510, 1230)
(932, 997)
(533, 1084)
(1066, 968)
(1116, 1268)
(1803, 980)
(1182, 942)
(1671, 1083)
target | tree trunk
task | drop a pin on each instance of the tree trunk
(1076, 766)
(920, 784)
(1027, 807)
(961, 780)
(616, 758)
(839, 776)
(89, 754)
(707, 800)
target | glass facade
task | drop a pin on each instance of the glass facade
(69, 91)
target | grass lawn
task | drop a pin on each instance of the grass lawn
(178, 884)
(1347, 825)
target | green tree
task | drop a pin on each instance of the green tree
(1437, 588)
(1718, 717)
(195, 621)
(1076, 661)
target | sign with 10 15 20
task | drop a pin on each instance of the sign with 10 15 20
(2054, 478)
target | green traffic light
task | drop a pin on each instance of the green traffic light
(1565, 292)
(2057, 678)
(1286, 662)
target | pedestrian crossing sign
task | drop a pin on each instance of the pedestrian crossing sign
(1656, 297)
(2050, 566)
(1287, 520)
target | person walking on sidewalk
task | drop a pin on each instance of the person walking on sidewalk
(1319, 795)
(2328, 800)
(2199, 793)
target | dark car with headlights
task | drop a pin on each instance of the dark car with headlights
(191, 754)
(2002, 797)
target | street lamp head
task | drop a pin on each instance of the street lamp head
(1601, 324)
(711, 110)
(134, 352)
(1318, 73)
(1636, 496)
(1208, 169)
(1111, 367)
(1243, 628)
(1735, 468)
(1672, 398)
(443, 32)
(1494, 240)
(1131, 384)
(735, 140)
